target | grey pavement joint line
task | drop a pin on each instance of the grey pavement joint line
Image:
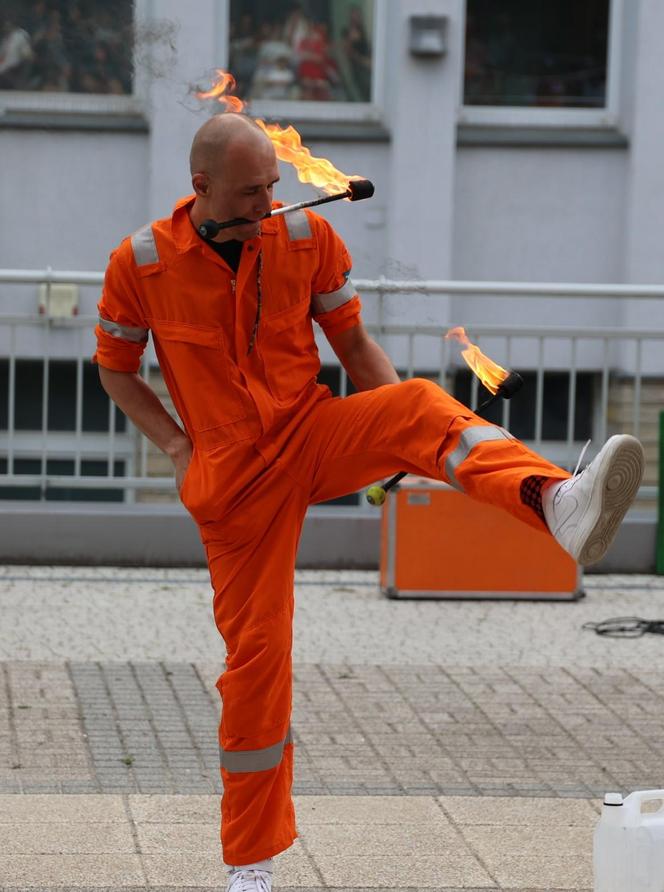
(104, 684)
(354, 719)
(585, 792)
(458, 829)
(81, 719)
(151, 722)
(135, 837)
(14, 754)
(621, 719)
(191, 730)
(449, 752)
(567, 731)
(312, 861)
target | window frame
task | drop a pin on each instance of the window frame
(535, 116)
(298, 110)
(44, 102)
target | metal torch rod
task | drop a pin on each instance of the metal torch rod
(356, 191)
(309, 204)
(238, 221)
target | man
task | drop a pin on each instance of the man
(262, 440)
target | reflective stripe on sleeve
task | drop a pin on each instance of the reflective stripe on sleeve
(237, 761)
(144, 246)
(125, 332)
(467, 442)
(323, 303)
(297, 224)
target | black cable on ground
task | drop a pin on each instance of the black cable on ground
(626, 627)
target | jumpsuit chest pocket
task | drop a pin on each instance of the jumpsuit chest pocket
(289, 350)
(196, 366)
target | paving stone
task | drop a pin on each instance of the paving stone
(344, 750)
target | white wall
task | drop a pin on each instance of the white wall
(67, 197)
(539, 215)
(560, 214)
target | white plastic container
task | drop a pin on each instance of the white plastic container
(628, 847)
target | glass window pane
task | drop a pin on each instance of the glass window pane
(554, 404)
(536, 53)
(316, 50)
(66, 46)
(61, 397)
(64, 467)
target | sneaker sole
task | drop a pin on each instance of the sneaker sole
(622, 481)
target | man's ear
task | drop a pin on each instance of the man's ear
(201, 184)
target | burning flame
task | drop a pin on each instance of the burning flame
(224, 82)
(287, 141)
(489, 372)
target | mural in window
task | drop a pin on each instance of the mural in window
(66, 46)
(536, 53)
(314, 50)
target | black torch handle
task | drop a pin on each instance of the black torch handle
(505, 391)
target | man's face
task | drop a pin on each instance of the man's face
(243, 187)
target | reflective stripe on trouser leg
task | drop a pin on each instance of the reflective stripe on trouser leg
(239, 761)
(470, 437)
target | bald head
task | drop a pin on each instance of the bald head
(219, 135)
(233, 170)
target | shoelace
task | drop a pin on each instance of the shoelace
(251, 881)
(583, 452)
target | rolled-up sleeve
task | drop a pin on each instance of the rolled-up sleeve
(121, 331)
(335, 304)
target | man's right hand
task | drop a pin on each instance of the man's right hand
(140, 403)
(181, 458)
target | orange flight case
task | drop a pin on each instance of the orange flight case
(438, 543)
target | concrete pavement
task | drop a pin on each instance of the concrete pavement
(439, 745)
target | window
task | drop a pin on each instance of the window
(555, 402)
(66, 46)
(310, 54)
(539, 61)
(62, 467)
(62, 442)
(61, 403)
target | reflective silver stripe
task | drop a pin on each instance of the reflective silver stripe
(238, 761)
(323, 303)
(144, 246)
(126, 332)
(467, 442)
(298, 225)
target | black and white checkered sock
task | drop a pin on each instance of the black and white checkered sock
(531, 493)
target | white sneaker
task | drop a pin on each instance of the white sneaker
(584, 512)
(250, 878)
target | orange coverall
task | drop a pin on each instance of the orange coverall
(268, 442)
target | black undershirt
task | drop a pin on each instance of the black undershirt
(229, 251)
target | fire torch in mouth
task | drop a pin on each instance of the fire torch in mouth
(356, 191)
(501, 384)
(288, 146)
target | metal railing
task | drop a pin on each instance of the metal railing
(414, 347)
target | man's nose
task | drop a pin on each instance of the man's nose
(264, 203)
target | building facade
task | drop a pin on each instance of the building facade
(514, 142)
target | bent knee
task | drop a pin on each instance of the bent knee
(420, 388)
